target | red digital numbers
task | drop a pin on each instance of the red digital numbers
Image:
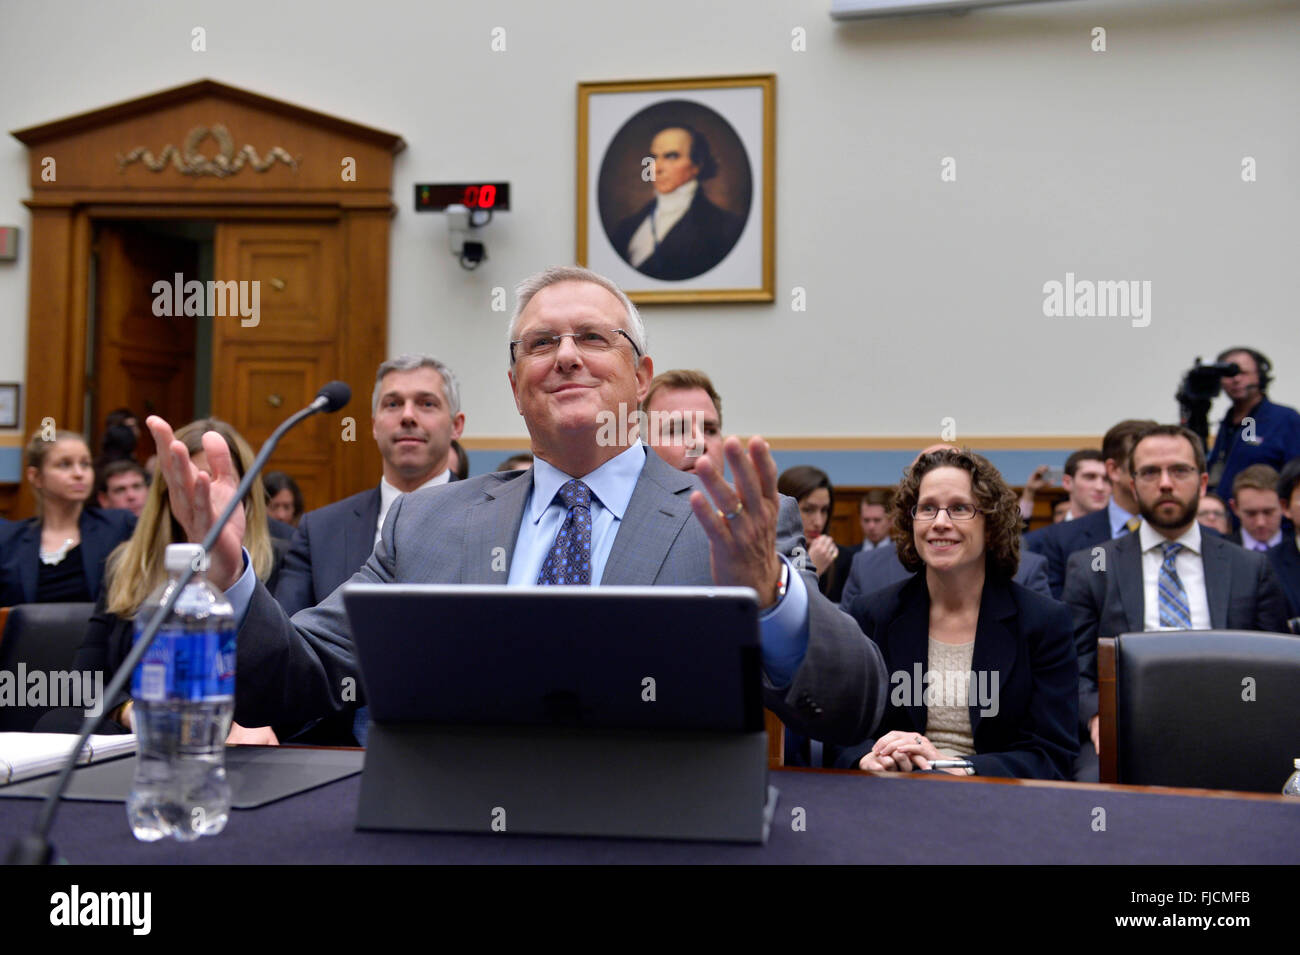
(480, 197)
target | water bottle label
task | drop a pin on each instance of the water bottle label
(186, 667)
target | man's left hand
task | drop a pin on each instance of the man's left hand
(741, 521)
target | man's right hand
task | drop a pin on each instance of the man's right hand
(1094, 730)
(197, 498)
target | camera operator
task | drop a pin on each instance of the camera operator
(1255, 430)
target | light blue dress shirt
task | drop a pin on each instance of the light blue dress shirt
(1118, 518)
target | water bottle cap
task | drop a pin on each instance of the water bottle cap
(180, 557)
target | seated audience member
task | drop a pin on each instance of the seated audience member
(1254, 430)
(1057, 542)
(876, 569)
(811, 489)
(649, 523)
(416, 414)
(684, 417)
(58, 555)
(135, 569)
(995, 662)
(516, 462)
(283, 498)
(458, 461)
(873, 517)
(1257, 508)
(1213, 513)
(1061, 511)
(1084, 479)
(122, 485)
(1168, 575)
(1286, 555)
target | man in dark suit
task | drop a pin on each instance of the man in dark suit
(591, 510)
(1057, 542)
(1286, 555)
(678, 234)
(1168, 574)
(876, 569)
(416, 415)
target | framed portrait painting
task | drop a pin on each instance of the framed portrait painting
(675, 187)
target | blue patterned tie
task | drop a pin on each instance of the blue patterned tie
(1174, 609)
(569, 560)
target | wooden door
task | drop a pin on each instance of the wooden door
(142, 361)
(269, 365)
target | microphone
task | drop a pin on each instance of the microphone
(35, 848)
(332, 397)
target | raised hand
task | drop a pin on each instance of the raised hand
(197, 497)
(741, 521)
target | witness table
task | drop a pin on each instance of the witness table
(823, 817)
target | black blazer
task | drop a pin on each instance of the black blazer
(1023, 639)
(329, 546)
(1240, 587)
(1286, 565)
(697, 242)
(20, 552)
(1057, 542)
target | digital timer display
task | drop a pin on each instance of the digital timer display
(436, 197)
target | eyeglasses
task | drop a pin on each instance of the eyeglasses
(1179, 472)
(956, 512)
(539, 344)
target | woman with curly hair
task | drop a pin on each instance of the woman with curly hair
(983, 671)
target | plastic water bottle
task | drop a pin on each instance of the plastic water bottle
(184, 693)
(1292, 787)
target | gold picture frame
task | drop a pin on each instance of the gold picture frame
(641, 143)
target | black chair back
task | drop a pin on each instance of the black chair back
(1207, 709)
(39, 645)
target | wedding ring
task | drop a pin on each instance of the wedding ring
(732, 515)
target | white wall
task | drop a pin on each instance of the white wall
(924, 297)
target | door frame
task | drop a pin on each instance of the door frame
(97, 179)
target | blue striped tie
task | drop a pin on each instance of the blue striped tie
(1174, 609)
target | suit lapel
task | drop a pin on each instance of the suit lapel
(995, 641)
(91, 553)
(654, 517)
(359, 534)
(908, 637)
(29, 565)
(1218, 579)
(1128, 579)
(494, 523)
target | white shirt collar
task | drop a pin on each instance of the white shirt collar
(1152, 538)
(612, 483)
(676, 203)
(388, 494)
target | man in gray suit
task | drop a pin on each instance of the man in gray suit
(1167, 575)
(597, 507)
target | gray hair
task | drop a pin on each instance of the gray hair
(410, 362)
(530, 286)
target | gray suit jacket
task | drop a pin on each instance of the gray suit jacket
(464, 533)
(876, 569)
(1240, 587)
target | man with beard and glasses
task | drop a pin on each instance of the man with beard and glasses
(1167, 575)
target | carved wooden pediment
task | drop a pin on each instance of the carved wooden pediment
(209, 137)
